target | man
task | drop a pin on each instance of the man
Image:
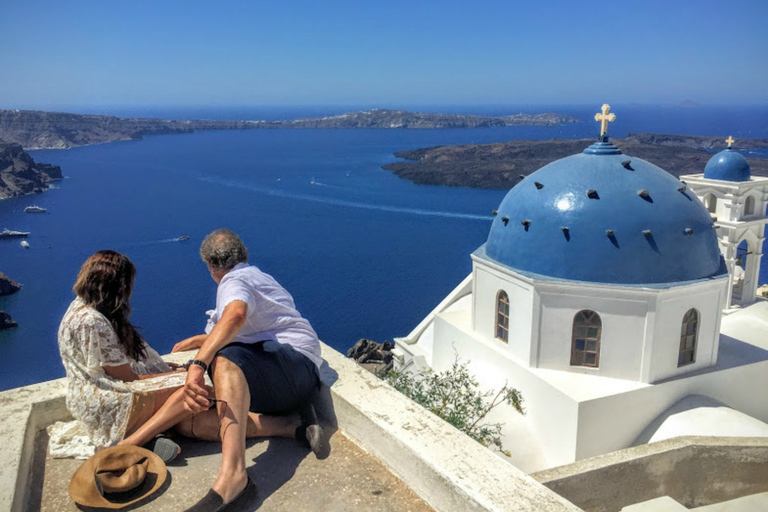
(263, 357)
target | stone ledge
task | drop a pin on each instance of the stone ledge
(693, 470)
(444, 467)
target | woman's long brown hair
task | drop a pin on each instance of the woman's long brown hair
(105, 283)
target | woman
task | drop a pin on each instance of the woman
(107, 364)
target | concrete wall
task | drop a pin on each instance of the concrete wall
(695, 471)
(445, 467)
(630, 413)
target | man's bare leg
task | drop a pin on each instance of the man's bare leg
(232, 388)
(205, 426)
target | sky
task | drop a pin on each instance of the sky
(382, 53)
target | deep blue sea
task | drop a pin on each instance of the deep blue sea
(364, 253)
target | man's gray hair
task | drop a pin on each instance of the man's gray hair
(222, 250)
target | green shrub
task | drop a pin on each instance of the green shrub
(454, 395)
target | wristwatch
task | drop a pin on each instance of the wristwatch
(199, 363)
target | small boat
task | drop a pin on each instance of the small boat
(182, 238)
(35, 209)
(9, 233)
(25, 244)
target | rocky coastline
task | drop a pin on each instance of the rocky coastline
(7, 287)
(375, 357)
(35, 129)
(20, 174)
(502, 165)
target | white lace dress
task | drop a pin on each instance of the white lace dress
(87, 343)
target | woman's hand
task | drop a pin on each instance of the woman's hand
(176, 367)
(190, 343)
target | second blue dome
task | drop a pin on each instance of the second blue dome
(728, 165)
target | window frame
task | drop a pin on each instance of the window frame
(501, 326)
(687, 355)
(579, 356)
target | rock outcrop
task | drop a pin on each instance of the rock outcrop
(35, 129)
(374, 357)
(8, 285)
(6, 322)
(20, 175)
(501, 165)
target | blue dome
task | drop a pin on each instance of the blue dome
(605, 217)
(727, 165)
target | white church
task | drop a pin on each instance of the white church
(619, 300)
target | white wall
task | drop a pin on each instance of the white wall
(487, 283)
(623, 314)
(552, 413)
(708, 300)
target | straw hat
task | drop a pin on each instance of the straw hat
(117, 477)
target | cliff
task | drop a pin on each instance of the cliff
(57, 130)
(501, 165)
(6, 322)
(20, 175)
(7, 285)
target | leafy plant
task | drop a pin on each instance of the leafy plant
(455, 396)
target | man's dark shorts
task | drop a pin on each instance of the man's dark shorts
(279, 378)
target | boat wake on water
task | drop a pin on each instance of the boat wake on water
(154, 242)
(344, 202)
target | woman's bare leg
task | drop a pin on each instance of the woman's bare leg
(169, 410)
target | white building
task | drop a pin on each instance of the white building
(737, 203)
(599, 295)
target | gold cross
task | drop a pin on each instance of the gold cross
(605, 117)
(730, 141)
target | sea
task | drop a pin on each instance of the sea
(364, 253)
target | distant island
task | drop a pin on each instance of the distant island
(35, 129)
(501, 165)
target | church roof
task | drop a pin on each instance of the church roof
(605, 217)
(727, 165)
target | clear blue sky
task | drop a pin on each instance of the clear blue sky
(386, 52)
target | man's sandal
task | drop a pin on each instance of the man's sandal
(213, 502)
(312, 436)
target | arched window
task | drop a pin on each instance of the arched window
(585, 344)
(502, 316)
(749, 205)
(710, 201)
(688, 334)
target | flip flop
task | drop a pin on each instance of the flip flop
(164, 448)
(213, 502)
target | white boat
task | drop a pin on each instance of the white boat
(35, 209)
(25, 244)
(9, 233)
